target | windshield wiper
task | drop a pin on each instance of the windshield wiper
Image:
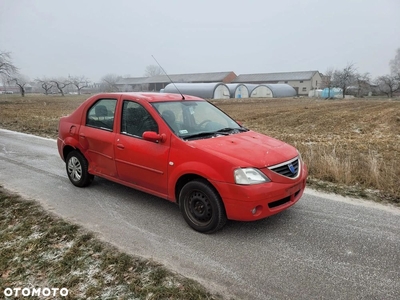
(223, 131)
(230, 130)
(198, 135)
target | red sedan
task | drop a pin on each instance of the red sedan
(183, 149)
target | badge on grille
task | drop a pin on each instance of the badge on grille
(291, 168)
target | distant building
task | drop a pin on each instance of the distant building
(158, 82)
(270, 90)
(238, 90)
(302, 82)
(132, 84)
(206, 90)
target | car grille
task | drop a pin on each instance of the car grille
(284, 169)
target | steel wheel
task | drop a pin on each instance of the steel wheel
(201, 206)
(77, 169)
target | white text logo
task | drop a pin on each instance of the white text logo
(28, 292)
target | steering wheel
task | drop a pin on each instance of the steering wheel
(204, 122)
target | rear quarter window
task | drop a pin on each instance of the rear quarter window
(101, 114)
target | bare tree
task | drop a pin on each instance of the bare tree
(395, 64)
(362, 83)
(109, 83)
(7, 68)
(343, 78)
(61, 84)
(153, 70)
(388, 84)
(327, 80)
(79, 82)
(21, 81)
(46, 84)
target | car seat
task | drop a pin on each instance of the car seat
(101, 111)
(169, 117)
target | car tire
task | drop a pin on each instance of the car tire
(77, 169)
(201, 206)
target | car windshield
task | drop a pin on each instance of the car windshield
(196, 119)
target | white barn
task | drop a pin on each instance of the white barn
(271, 90)
(238, 90)
(302, 82)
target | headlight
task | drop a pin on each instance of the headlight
(249, 176)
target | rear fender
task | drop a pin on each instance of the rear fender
(73, 142)
(69, 144)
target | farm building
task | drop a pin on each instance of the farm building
(157, 82)
(270, 90)
(238, 90)
(133, 84)
(208, 90)
(302, 82)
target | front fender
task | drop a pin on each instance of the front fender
(203, 170)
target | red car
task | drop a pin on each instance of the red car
(183, 149)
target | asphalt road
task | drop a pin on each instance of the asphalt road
(324, 247)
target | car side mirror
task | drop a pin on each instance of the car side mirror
(153, 136)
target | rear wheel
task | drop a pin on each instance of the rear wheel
(77, 169)
(201, 206)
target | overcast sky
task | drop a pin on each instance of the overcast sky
(93, 38)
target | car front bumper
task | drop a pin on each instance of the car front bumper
(254, 202)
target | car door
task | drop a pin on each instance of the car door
(140, 162)
(97, 137)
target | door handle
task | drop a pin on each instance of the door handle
(120, 146)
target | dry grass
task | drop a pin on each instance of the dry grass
(39, 250)
(354, 144)
(36, 114)
(350, 146)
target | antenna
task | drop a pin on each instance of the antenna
(183, 97)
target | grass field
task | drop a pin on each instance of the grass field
(351, 147)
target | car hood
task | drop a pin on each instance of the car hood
(249, 148)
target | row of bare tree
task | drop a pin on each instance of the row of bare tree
(349, 77)
(345, 78)
(108, 83)
(9, 74)
(79, 82)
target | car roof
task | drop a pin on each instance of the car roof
(155, 97)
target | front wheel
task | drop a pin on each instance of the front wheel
(77, 169)
(201, 206)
